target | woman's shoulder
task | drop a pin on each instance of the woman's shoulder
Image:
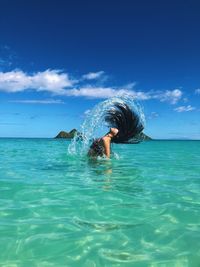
(105, 139)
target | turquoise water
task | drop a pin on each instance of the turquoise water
(142, 209)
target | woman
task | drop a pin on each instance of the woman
(125, 124)
(101, 147)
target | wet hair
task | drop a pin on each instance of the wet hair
(127, 121)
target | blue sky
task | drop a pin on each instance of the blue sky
(60, 58)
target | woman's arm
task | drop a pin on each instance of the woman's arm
(106, 143)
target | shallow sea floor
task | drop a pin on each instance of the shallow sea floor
(141, 209)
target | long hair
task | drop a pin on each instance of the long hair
(127, 121)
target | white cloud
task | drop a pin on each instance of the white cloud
(197, 91)
(140, 95)
(95, 92)
(184, 108)
(105, 92)
(171, 96)
(87, 111)
(130, 85)
(153, 115)
(50, 80)
(59, 83)
(14, 81)
(36, 101)
(92, 75)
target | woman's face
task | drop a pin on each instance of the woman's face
(114, 131)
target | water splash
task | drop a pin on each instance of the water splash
(94, 123)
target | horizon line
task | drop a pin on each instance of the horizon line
(156, 139)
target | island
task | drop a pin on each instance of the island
(67, 135)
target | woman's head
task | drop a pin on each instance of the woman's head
(114, 131)
(126, 122)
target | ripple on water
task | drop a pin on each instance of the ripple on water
(103, 226)
(123, 256)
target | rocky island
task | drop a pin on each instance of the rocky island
(67, 135)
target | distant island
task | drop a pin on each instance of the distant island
(67, 135)
(71, 134)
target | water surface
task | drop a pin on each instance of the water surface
(142, 209)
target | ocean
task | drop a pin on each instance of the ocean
(141, 208)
